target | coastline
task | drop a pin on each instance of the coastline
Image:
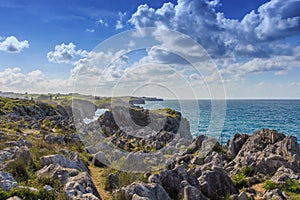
(41, 140)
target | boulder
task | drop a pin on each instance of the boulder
(23, 154)
(149, 191)
(21, 142)
(235, 144)
(171, 180)
(54, 159)
(275, 194)
(7, 181)
(10, 143)
(81, 186)
(216, 183)
(283, 174)
(58, 172)
(73, 161)
(52, 139)
(192, 193)
(196, 144)
(100, 160)
(113, 182)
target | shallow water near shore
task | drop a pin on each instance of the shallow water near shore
(242, 116)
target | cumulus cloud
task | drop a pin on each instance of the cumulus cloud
(12, 44)
(219, 35)
(65, 53)
(14, 79)
(119, 23)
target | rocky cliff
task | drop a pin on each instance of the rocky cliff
(42, 157)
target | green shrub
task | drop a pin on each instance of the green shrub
(270, 185)
(247, 171)
(240, 180)
(293, 186)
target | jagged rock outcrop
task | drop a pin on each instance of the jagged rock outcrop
(216, 184)
(283, 174)
(72, 173)
(73, 161)
(275, 194)
(145, 191)
(235, 144)
(81, 186)
(171, 180)
(266, 151)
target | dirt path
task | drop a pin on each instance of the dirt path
(98, 178)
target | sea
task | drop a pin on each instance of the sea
(223, 120)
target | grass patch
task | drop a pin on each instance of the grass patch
(291, 188)
(25, 193)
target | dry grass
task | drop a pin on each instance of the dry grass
(99, 176)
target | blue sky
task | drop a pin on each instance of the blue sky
(254, 44)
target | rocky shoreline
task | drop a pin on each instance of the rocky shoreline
(43, 157)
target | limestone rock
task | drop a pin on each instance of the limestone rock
(171, 180)
(100, 160)
(216, 183)
(81, 186)
(235, 144)
(275, 194)
(7, 181)
(266, 151)
(149, 191)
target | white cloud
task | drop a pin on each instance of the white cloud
(13, 45)
(65, 53)
(220, 36)
(102, 22)
(13, 79)
(90, 30)
(119, 23)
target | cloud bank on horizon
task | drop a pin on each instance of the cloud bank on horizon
(258, 55)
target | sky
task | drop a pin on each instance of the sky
(172, 49)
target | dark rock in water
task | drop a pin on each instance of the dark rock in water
(7, 181)
(275, 194)
(236, 143)
(216, 183)
(149, 191)
(266, 151)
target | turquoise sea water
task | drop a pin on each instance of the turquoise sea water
(242, 116)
